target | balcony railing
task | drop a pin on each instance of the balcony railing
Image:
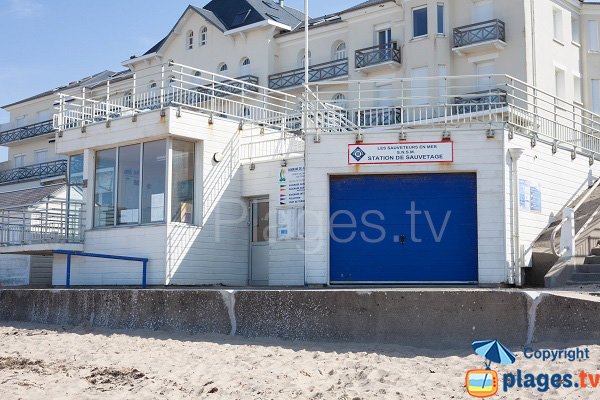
(231, 86)
(26, 132)
(50, 221)
(378, 55)
(479, 33)
(316, 73)
(36, 171)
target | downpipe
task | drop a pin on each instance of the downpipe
(515, 276)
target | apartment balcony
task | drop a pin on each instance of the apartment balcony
(320, 72)
(387, 55)
(485, 36)
(25, 132)
(32, 172)
(239, 85)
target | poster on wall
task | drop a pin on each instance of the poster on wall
(290, 223)
(291, 186)
(530, 196)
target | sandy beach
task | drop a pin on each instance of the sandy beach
(53, 362)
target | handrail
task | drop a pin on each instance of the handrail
(70, 253)
(577, 206)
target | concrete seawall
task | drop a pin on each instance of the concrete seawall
(420, 318)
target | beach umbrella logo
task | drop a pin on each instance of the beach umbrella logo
(483, 383)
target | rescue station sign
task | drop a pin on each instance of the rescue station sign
(401, 153)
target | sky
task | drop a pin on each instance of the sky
(48, 43)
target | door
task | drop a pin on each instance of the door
(259, 243)
(485, 78)
(419, 228)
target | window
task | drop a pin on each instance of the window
(341, 52)
(182, 190)
(128, 191)
(223, 68)
(104, 188)
(203, 36)
(40, 156)
(420, 85)
(384, 37)
(75, 182)
(577, 88)
(302, 60)
(245, 66)
(594, 33)
(154, 174)
(419, 21)
(596, 96)
(557, 24)
(339, 100)
(559, 79)
(19, 160)
(189, 41)
(152, 85)
(483, 11)
(575, 29)
(20, 121)
(130, 184)
(485, 75)
(440, 19)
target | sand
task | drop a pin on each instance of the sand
(43, 362)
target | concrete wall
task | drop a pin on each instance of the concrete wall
(449, 319)
(14, 270)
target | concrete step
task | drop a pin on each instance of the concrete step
(588, 268)
(592, 260)
(596, 251)
(585, 277)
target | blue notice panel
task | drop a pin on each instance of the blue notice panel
(403, 228)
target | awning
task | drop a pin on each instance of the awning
(28, 197)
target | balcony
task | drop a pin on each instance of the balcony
(482, 36)
(376, 56)
(246, 83)
(33, 172)
(26, 132)
(316, 73)
(380, 116)
(42, 227)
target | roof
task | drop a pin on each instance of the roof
(232, 14)
(89, 82)
(28, 197)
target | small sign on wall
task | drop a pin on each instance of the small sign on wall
(290, 223)
(291, 186)
(530, 196)
(401, 153)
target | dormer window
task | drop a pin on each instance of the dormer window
(223, 68)
(203, 36)
(189, 41)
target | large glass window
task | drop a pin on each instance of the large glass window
(182, 190)
(104, 191)
(420, 21)
(76, 178)
(153, 182)
(128, 199)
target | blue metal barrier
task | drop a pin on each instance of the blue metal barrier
(69, 254)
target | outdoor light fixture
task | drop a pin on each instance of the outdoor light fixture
(511, 132)
(591, 159)
(573, 154)
(490, 134)
(402, 136)
(210, 119)
(262, 130)
(445, 135)
(317, 139)
(83, 128)
(533, 140)
(252, 166)
(218, 157)
(134, 117)
(241, 126)
(178, 114)
(359, 137)
(284, 163)
(555, 147)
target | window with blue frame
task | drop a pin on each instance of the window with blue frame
(420, 21)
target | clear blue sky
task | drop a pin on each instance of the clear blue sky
(47, 43)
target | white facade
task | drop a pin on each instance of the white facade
(399, 54)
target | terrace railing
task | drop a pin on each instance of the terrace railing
(50, 221)
(480, 32)
(35, 171)
(380, 54)
(26, 132)
(177, 85)
(319, 72)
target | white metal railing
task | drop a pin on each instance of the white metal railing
(255, 148)
(177, 85)
(50, 221)
(453, 102)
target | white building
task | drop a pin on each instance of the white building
(435, 143)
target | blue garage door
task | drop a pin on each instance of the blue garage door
(403, 228)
